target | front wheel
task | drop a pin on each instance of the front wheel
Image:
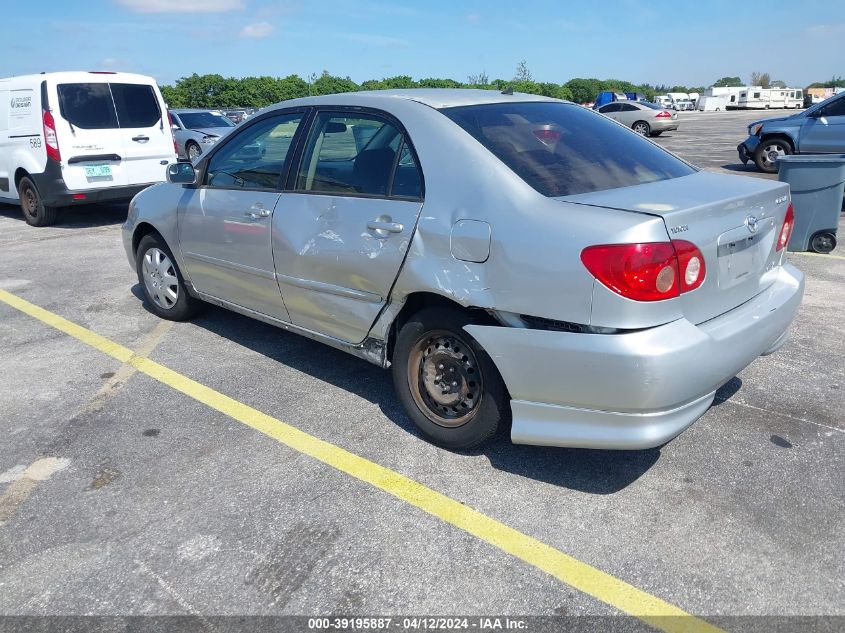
(446, 382)
(162, 282)
(192, 150)
(642, 128)
(34, 211)
(767, 153)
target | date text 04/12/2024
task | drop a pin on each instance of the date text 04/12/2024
(417, 623)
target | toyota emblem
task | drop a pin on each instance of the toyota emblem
(751, 223)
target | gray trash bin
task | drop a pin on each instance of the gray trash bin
(817, 183)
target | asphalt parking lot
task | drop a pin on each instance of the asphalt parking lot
(126, 490)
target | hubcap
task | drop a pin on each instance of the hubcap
(30, 202)
(193, 151)
(445, 379)
(160, 278)
(771, 153)
(640, 129)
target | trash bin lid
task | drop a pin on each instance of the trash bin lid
(812, 158)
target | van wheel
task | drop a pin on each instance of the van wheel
(34, 211)
(446, 382)
(768, 152)
(192, 150)
(642, 128)
(162, 282)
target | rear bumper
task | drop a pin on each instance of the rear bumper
(636, 390)
(55, 193)
(664, 126)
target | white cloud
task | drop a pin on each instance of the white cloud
(183, 6)
(257, 30)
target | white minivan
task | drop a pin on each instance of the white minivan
(74, 138)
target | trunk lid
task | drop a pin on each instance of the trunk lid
(734, 221)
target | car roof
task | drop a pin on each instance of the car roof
(195, 110)
(433, 97)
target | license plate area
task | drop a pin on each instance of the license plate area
(742, 256)
(97, 171)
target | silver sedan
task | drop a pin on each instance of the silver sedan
(195, 131)
(517, 261)
(646, 119)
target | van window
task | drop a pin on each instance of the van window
(87, 106)
(103, 106)
(562, 149)
(136, 105)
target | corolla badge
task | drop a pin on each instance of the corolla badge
(751, 223)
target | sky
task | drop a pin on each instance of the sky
(673, 42)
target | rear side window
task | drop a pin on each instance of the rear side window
(87, 106)
(103, 106)
(563, 149)
(358, 154)
(136, 105)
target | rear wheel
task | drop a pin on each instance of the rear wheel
(34, 211)
(162, 282)
(642, 128)
(823, 242)
(767, 153)
(446, 382)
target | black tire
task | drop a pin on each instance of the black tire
(656, 133)
(32, 205)
(642, 128)
(184, 306)
(434, 340)
(191, 145)
(823, 242)
(765, 150)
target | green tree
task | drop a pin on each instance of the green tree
(522, 72)
(327, 84)
(432, 82)
(728, 82)
(763, 80)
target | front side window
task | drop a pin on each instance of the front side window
(836, 108)
(563, 149)
(350, 154)
(255, 157)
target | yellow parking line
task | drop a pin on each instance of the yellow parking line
(818, 255)
(582, 576)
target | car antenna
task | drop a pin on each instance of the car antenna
(508, 90)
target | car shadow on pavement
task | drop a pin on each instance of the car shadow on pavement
(81, 217)
(591, 471)
(748, 168)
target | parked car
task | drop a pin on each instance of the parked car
(236, 116)
(73, 138)
(508, 256)
(197, 130)
(820, 129)
(646, 119)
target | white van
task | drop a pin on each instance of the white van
(73, 138)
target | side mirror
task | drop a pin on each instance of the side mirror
(174, 127)
(181, 174)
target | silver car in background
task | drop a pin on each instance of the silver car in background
(646, 119)
(196, 131)
(511, 258)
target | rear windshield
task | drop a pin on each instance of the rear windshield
(195, 120)
(102, 106)
(563, 149)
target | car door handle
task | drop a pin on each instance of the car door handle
(257, 211)
(140, 139)
(386, 227)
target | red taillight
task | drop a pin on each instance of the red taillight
(547, 136)
(652, 271)
(51, 139)
(172, 135)
(786, 229)
(690, 264)
(663, 114)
